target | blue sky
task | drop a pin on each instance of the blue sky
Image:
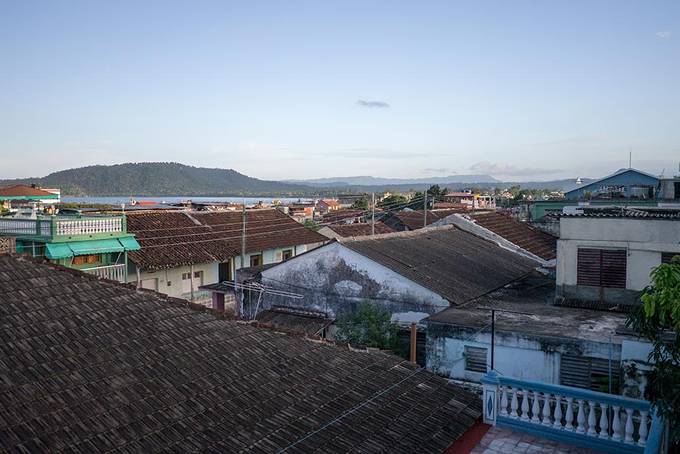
(288, 89)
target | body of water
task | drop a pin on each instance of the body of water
(118, 200)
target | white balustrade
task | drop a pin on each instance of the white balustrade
(609, 417)
(84, 226)
(111, 272)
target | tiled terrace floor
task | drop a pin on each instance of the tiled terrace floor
(502, 441)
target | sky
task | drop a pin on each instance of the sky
(520, 90)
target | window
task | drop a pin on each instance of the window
(86, 259)
(256, 260)
(287, 254)
(187, 281)
(602, 267)
(589, 373)
(666, 257)
(475, 359)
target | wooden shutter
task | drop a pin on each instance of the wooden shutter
(589, 373)
(475, 359)
(601, 267)
(666, 257)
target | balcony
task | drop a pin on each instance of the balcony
(55, 228)
(575, 416)
(110, 272)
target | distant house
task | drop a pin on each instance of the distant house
(622, 184)
(411, 274)
(605, 256)
(23, 194)
(353, 230)
(344, 216)
(97, 244)
(326, 205)
(181, 251)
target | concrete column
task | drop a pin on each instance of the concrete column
(490, 387)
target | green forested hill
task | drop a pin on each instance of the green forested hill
(159, 178)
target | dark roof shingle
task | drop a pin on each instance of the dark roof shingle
(451, 262)
(360, 229)
(92, 365)
(170, 239)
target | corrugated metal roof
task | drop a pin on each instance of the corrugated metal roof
(453, 263)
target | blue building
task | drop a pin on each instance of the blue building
(622, 184)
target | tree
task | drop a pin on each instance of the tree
(369, 326)
(392, 201)
(360, 204)
(436, 192)
(658, 320)
(312, 225)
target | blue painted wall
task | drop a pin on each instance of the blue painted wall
(626, 178)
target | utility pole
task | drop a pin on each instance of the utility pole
(425, 210)
(493, 335)
(373, 213)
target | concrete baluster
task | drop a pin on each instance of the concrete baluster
(514, 404)
(557, 413)
(616, 423)
(535, 409)
(581, 417)
(546, 410)
(592, 420)
(642, 430)
(524, 415)
(569, 416)
(629, 426)
(604, 421)
(504, 401)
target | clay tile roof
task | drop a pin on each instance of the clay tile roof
(294, 320)
(453, 263)
(21, 190)
(88, 365)
(414, 219)
(521, 234)
(170, 239)
(348, 230)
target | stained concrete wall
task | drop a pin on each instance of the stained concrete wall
(335, 280)
(516, 355)
(643, 239)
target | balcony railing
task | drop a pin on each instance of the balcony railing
(51, 228)
(595, 420)
(111, 272)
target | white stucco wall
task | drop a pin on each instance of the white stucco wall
(170, 280)
(316, 268)
(516, 356)
(643, 239)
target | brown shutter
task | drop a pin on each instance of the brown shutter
(601, 267)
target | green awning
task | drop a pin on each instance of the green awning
(95, 246)
(129, 243)
(57, 251)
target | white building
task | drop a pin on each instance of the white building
(606, 256)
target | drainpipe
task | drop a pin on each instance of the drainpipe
(191, 277)
(139, 277)
(414, 339)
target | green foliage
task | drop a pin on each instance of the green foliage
(312, 225)
(436, 192)
(394, 200)
(369, 326)
(360, 204)
(658, 320)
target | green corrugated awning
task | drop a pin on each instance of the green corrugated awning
(57, 251)
(129, 243)
(95, 246)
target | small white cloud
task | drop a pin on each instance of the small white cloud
(663, 34)
(373, 104)
(499, 169)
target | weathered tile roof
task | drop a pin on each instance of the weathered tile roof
(521, 234)
(171, 239)
(22, 190)
(88, 365)
(294, 320)
(453, 263)
(362, 229)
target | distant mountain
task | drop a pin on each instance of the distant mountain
(376, 181)
(160, 178)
